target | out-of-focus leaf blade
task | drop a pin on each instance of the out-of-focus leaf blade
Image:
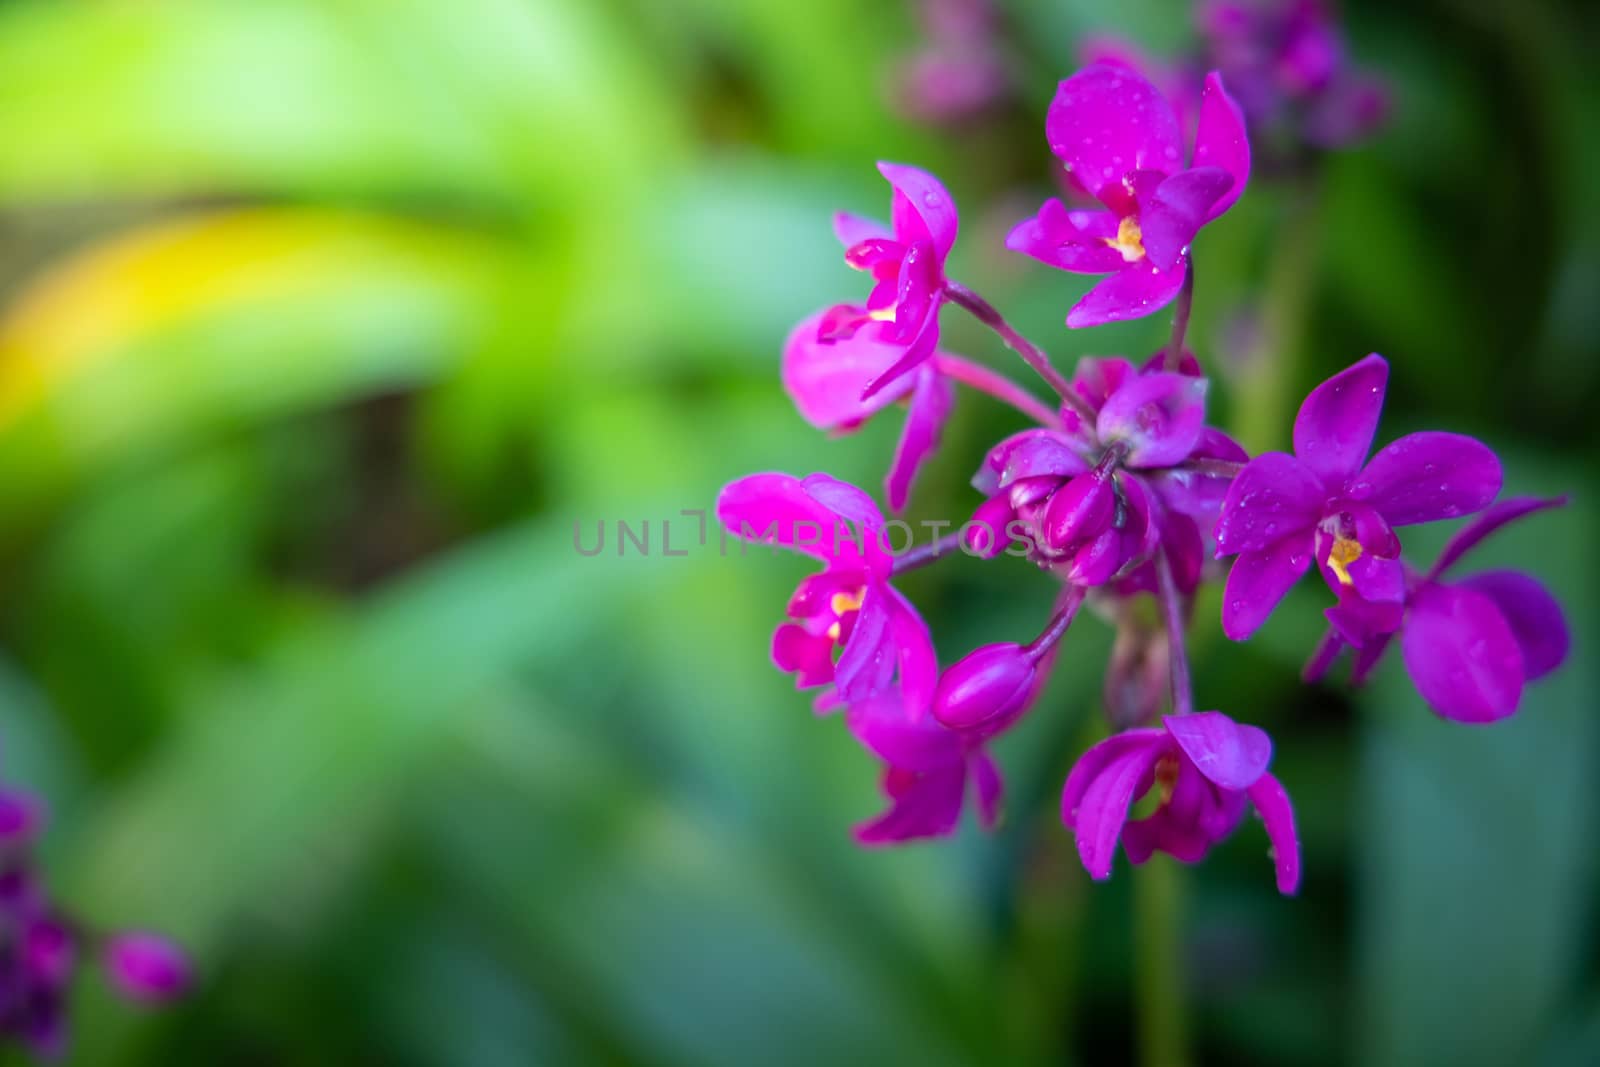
(205, 322)
(1477, 869)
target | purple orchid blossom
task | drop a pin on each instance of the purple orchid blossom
(1208, 769)
(928, 770)
(826, 380)
(1122, 144)
(1321, 503)
(849, 607)
(1471, 645)
(1096, 499)
(906, 261)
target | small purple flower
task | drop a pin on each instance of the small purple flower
(1122, 144)
(1321, 503)
(906, 262)
(850, 607)
(146, 968)
(40, 948)
(1208, 769)
(1470, 645)
(927, 770)
(826, 380)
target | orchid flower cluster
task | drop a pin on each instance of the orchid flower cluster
(1120, 492)
(41, 948)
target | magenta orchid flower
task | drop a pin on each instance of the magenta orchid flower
(1321, 503)
(1208, 769)
(826, 380)
(1122, 144)
(906, 260)
(928, 770)
(1094, 501)
(1471, 645)
(849, 608)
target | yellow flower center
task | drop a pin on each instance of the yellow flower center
(1129, 240)
(841, 605)
(1343, 553)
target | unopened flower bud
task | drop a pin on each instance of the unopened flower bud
(1079, 511)
(990, 683)
(147, 968)
(1136, 677)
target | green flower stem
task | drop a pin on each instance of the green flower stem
(1271, 368)
(1163, 1033)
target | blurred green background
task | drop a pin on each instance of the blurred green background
(322, 323)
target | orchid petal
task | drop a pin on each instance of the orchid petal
(1104, 808)
(1275, 495)
(922, 206)
(1333, 432)
(1233, 755)
(813, 516)
(1221, 141)
(1137, 290)
(1095, 378)
(808, 656)
(869, 658)
(1077, 241)
(1462, 655)
(1106, 122)
(1159, 416)
(920, 344)
(1506, 511)
(1535, 618)
(1093, 763)
(1181, 205)
(883, 725)
(930, 407)
(990, 788)
(1428, 476)
(1359, 622)
(930, 806)
(825, 379)
(914, 654)
(851, 230)
(1277, 815)
(1259, 580)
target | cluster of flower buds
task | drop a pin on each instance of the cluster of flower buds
(40, 948)
(959, 70)
(1284, 62)
(1127, 498)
